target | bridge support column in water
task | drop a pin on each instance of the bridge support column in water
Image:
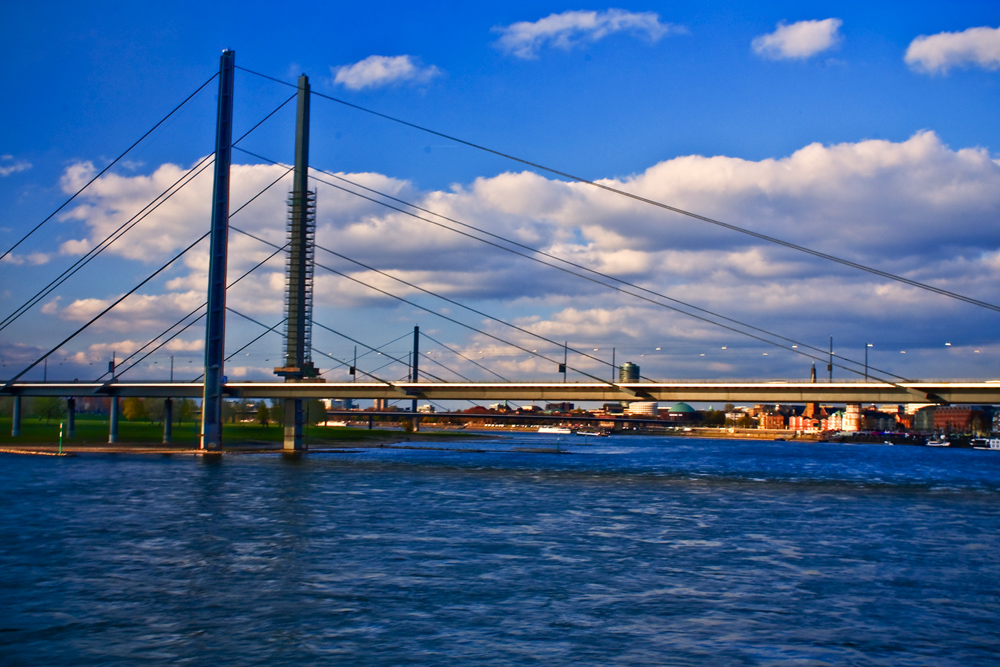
(71, 417)
(415, 373)
(168, 421)
(113, 421)
(298, 297)
(15, 422)
(215, 333)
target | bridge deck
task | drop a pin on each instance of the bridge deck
(718, 392)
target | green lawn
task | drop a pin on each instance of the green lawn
(91, 431)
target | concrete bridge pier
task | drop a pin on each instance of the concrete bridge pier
(71, 417)
(113, 425)
(15, 427)
(294, 419)
(168, 421)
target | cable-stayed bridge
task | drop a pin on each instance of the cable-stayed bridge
(302, 376)
(717, 392)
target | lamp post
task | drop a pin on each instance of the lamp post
(829, 364)
(866, 360)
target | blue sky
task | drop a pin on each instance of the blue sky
(866, 132)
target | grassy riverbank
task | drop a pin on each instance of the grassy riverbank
(93, 433)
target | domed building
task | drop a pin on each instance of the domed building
(682, 413)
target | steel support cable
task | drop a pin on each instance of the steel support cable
(439, 296)
(426, 373)
(472, 361)
(381, 347)
(330, 356)
(340, 363)
(385, 365)
(392, 359)
(167, 340)
(274, 329)
(257, 338)
(415, 305)
(485, 368)
(657, 204)
(349, 364)
(107, 310)
(402, 378)
(793, 342)
(651, 202)
(521, 329)
(377, 350)
(452, 370)
(371, 375)
(540, 252)
(445, 317)
(269, 329)
(247, 273)
(113, 163)
(447, 368)
(129, 224)
(155, 349)
(123, 229)
(153, 340)
(573, 273)
(358, 342)
(871, 370)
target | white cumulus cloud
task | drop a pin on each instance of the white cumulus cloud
(916, 208)
(798, 40)
(939, 53)
(525, 39)
(74, 247)
(378, 71)
(33, 259)
(8, 165)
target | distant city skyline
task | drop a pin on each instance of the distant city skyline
(867, 133)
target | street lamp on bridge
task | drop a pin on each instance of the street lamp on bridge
(866, 359)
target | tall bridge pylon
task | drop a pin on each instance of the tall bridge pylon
(215, 332)
(298, 296)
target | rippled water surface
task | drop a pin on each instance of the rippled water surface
(623, 551)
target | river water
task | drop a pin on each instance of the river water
(626, 550)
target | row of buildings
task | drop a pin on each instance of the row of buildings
(915, 418)
(809, 418)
